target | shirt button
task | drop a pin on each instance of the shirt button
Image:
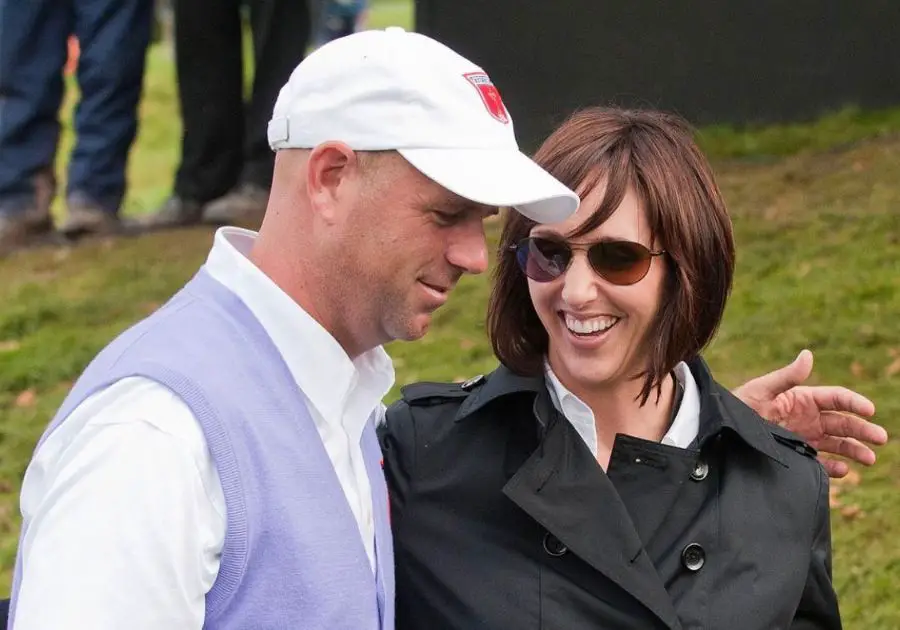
(553, 545)
(693, 557)
(701, 470)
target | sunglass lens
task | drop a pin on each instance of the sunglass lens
(620, 262)
(541, 259)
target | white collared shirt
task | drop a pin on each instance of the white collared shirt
(125, 511)
(681, 433)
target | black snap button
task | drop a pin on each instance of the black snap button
(701, 470)
(693, 557)
(553, 545)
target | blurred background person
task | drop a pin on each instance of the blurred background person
(337, 18)
(113, 36)
(226, 163)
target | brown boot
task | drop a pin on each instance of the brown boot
(23, 229)
(32, 223)
(244, 207)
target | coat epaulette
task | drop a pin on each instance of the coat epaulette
(793, 442)
(426, 393)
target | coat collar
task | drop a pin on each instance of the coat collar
(500, 383)
(719, 408)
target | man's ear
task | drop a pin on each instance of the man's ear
(331, 171)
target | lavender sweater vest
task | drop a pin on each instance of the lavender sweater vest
(292, 557)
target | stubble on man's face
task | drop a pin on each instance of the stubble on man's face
(391, 246)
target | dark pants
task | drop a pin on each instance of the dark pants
(113, 35)
(224, 141)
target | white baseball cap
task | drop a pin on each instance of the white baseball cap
(395, 90)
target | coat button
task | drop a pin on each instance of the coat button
(693, 557)
(701, 470)
(553, 545)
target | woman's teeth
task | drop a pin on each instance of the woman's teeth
(590, 326)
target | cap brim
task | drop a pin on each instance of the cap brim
(497, 177)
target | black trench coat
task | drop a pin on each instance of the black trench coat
(503, 520)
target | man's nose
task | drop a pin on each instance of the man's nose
(467, 248)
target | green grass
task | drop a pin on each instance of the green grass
(832, 131)
(816, 209)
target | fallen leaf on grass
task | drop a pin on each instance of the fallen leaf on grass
(7, 522)
(857, 370)
(10, 346)
(893, 368)
(852, 512)
(26, 398)
(62, 254)
(466, 344)
(833, 501)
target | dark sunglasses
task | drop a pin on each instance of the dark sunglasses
(619, 262)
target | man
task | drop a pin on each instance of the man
(226, 164)
(216, 466)
(113, 36)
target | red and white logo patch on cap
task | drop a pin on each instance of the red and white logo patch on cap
(489, 94)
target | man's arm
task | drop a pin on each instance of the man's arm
(831, 419)
(122, 531)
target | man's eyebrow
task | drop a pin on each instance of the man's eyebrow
(460, 205)
(464, 205)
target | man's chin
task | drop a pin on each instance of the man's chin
(414, 329)
(418, 327)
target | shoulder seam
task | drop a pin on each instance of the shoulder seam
(796, 444)
(424, 394)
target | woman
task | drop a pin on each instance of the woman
(600, 477)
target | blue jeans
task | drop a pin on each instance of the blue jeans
(113, 36)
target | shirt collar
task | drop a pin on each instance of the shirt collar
(334, 384)
(681, 433)
(686, 423)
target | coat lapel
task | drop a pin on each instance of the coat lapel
(561, 487)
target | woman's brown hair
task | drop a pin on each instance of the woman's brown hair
(653, 154)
